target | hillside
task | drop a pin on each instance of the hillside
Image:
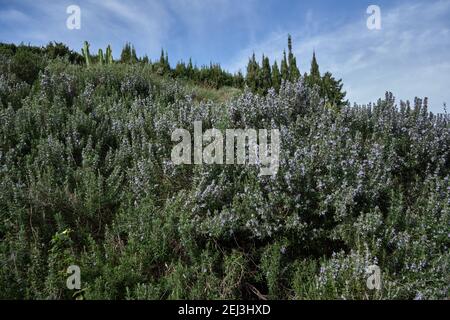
(86, 179)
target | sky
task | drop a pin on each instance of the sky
(409, 55)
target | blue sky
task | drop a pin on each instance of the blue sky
(409, 56)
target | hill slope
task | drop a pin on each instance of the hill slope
(87, 179)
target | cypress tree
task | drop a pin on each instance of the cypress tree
(331, 90)
(180, 70)
(314, 77)
(252, 73)
(133, 58)
(164, 66)
(239, 80)
(284, 68)
(190, 69)
(128, 54)
(266, 75)
(294, 72)
(162, 57)
(125, 54)
(291, 55)
(276, 77)
(166, 59)
(314, 72)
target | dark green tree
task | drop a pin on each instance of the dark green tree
(125, 55)
(314, 77)
(253, 74)
(239, 80)
(284, 68)
(276, 77)
(190, 69)
(180, 70)
(128, 54)
(314, 72)
(163, 65)
(162, 58)
(266, 75)
(294, 72)
(133, 55)
(331, 90)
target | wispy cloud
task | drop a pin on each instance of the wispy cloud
(13, 15)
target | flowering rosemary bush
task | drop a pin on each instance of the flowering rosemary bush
(86, 179)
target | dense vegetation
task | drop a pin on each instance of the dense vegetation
(86, 179)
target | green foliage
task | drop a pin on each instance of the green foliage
(128, 54)
(109, 57)
(284, 68)
(86, 54)
(314, 74)
(294, 73)
(60, 257)
(276, 77)
(253, 74)
(164, 66)
(266, 75)
(212, 76)
(273, 268)
(101, 59)
(26, 65)
(56, 50)
(329, 88)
